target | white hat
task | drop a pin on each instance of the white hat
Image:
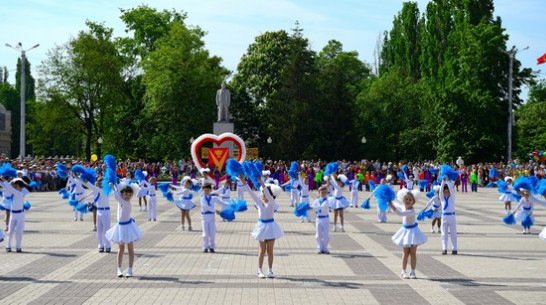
(18, 179)
(436, 188)
(403, 192)
(205, 170)
(134, 186)
(275, 189)
(389, 177)
(185, 178)
(342, 177)
(508, 178)
(20, 172)
(266, 173)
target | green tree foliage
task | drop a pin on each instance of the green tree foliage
(531, 121)
(9, 97)
(85, 74)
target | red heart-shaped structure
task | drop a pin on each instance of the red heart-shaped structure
(218, 140)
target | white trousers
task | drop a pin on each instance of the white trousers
(354, 199)
(208, 222)
(152, 207)
(294, 197)
(103, 225)
(16, 226)
(449, 222)
(381, 215)
(323, 233)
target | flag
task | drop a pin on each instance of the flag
(541, 59)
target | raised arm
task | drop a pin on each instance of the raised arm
(334, 184)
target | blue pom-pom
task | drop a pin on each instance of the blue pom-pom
(259, 165)
(301, 209)
(431, 194)
(429, 213)
(423, 183)
(541, 188)
(523, 183)
(26, 205)
(433, 170)
(292, 174)
(169, 196)
(421, 216)
(139, 175)
(509, 219)
(7, 171)
(241, 206)
(195, 187)
(404, 167)
(163, 187)
(62, 171)
(365, 204)
(33, 185)
(90, 175)
(109, 174)
(371, 184)
(234, 168)
(527, 221)
(66, 195)
(82, 208)
(446, 170)
(294, 166)
(516, 196)
(252, 172)
(490, 184)
(534, 182)
(502, 186)
(228, 214)
(91, 208)
(73, 202)
(288, 188)
(384, 194)
(400, 175)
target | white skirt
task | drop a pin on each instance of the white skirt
(506, 197)
(124, 234)
(339, 204)
(522, 213)
(184, 205)
(142, 193)
(437, 214)
(409, 237)
(542, 234)
(266, 231)
(6, 204)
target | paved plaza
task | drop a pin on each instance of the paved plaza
(60, 263)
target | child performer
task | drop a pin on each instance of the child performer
(266, 231)
(382, 215)
(125, 232)
(102, 205)
(295, 185)
(449, 222)
(507, 196)
(224, 192)
(76, 193)
(408, 236)
(16, 225)
(152, 202)
(208, 220)
(437, 216)
(184, 202)
(7, 198)
(354, 192)
(340, 203)
(526, 203)
(304, 195)
(322, 207)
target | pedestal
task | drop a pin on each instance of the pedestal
(219, 128)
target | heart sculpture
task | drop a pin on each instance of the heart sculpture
(218, 140)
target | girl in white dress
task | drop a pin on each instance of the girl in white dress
(184, 201)
(266, 231)
(408, 236)
(125, 232)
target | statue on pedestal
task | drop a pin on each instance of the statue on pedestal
(223, 97)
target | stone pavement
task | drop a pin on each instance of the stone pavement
(60, 263)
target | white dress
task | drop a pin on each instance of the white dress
(409, 234)
(125, 231)
(339, 201)
(505, 197)
(183, 200)
(266, 228)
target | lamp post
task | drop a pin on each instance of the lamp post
(191, 140)
(269, 140)
(511, 56)
(19, 48)
(99, 141)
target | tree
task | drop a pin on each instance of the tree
(530, 130)
(85, 73)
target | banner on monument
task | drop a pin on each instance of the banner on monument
(218, 157)
(204, 152)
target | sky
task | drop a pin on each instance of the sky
(232, 25)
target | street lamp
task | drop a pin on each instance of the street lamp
(99, 140)
(363, 140)
(191, 140)
(269, 140)
(19, 48)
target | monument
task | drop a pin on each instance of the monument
(223, 99)
(5, 131)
